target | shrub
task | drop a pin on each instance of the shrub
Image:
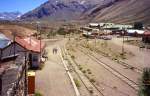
(84, 71)
(38, 94)
(73, 57)
(89, 72)
(91, 91)
(92, 80)
(77, 82)
(144, 83)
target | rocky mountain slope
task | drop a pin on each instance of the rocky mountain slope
(121, 11)
(118, 11)
(62, 9)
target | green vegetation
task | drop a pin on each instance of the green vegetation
(84, 71)
(51, 34)
(62, 31)
(80, 67)
(92, 80)
(77, 82)
(91, 91)
(89, 72)
(145, 83)
(73, 57)
(38, 94)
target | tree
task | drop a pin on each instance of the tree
(145, 83)
(61, 31)
(138, 25)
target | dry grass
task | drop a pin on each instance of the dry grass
(9, 30)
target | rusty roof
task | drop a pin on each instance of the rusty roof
(30, 44)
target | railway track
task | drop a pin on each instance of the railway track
(87, 88)
(122, 63)
(122, 77)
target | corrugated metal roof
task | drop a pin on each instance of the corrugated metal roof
(4, 41)
(31, 44)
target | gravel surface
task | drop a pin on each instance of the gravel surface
(52, 80)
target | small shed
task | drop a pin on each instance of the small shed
(34, 47)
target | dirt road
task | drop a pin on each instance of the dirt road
(52, 80)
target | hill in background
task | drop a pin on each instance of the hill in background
(121, 11)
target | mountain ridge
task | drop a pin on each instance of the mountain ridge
(122, 11)
(117, 11)
(10, 15)
(62, 9)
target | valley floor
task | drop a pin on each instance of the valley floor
(94, 74)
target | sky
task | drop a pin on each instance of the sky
(22, 6)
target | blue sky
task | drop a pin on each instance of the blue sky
(19, 5)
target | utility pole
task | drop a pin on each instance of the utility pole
(26, 85)
(14, 39)
(38, 27)
(123, 42)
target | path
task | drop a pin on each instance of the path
(53, 80)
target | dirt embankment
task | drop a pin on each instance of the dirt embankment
(9, 30)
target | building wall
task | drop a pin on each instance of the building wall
(19, 50)
(14, 48)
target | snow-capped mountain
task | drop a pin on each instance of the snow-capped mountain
(10, 15)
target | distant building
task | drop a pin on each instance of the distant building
(94, 25)
(106, 25)
(133, 32)
(146, 37)
(112, 26)
(121, 27)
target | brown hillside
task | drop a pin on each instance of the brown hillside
(122, 11)
(20, 31)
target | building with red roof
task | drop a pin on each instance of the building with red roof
(34, 49)
(31, 44)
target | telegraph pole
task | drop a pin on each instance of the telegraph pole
(14, 39)
(38, 30)
(123, 32)
(26, 85)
